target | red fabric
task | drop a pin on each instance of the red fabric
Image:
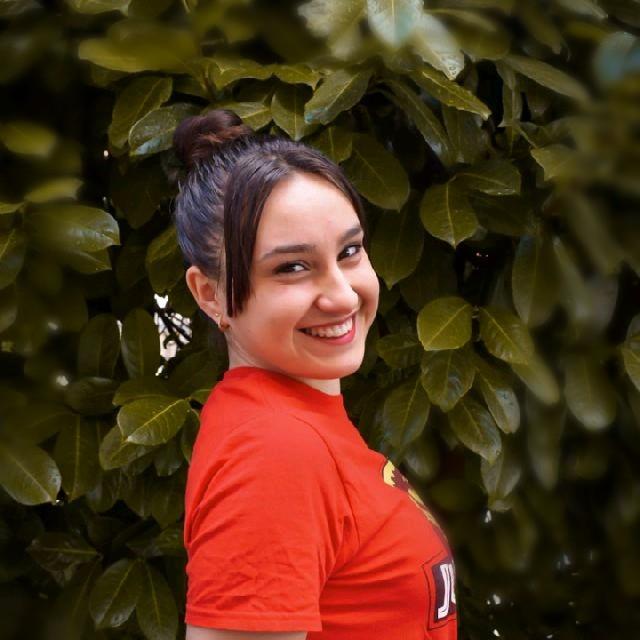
(292, 523)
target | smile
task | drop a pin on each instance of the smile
(335, 335)
(335, 331)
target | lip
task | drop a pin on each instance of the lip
(329, 324)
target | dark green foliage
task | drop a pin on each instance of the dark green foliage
(496, 145)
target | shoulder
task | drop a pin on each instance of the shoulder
(281, 436)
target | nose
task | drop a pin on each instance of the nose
(337, 293)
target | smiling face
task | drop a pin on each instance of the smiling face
(323, 285)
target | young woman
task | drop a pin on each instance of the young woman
(294, 528)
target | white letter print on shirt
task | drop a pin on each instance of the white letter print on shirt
(444, 578)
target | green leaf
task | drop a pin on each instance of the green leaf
(167, 502)
(139, 192)
(533, 280)
(334, 141)
(498, 395)
(475, 428)
(198, 370)
(630, 350)
(399, 350)
(152, 421)
(545, 427)
(94, 7)
(74, 228)
(99, 346)
(140, 96)
(587, 8)
(540, 26)
(156, 610)
(7, 208)
(335, 22)
(54, 189)
(479, 44)
(448, 92)
(154, 132)
(501, 477)
(539, 379)
(613, 58)
(170, 541)
(422, 117)
(505, 336)
(574, 292)
(435, 45)
(254, 114)
(444, 323)
(405, 413)
(338, 92)
(590, 396)
(287, 108)
(558, 161)
(376, 173)
(590, 227)
(547, 76)
(28, 474)
(140, 344)
(496, 177)
(91, 395)
(138, 492)
(475, 20)
(76, 454)
(72, 605)
(297, 74)
(511, 99)
(8, 307)
(164, 261)
(393, 20)
(88, 263)
(168, 458)
(115, 593)
(56, 551)
(27, 138)
(133, 46)
(12, 251)
(396, 245)
(37, 421)
(227, 68)
(467, 140)
(422, 459)
(116, 451)
(447, 376)
(139, 388)
(447, 214)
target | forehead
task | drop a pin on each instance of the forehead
(302, 208)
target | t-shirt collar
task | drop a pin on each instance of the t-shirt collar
(311, 397)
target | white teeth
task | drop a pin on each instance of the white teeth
(332, 332)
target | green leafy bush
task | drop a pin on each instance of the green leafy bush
(496, 145)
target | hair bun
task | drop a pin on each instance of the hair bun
(198, 137)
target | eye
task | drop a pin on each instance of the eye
(287, 266)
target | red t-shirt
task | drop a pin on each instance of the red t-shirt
(292, 523)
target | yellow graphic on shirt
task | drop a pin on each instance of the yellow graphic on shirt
(394, 477)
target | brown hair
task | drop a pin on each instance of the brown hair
(231, 170)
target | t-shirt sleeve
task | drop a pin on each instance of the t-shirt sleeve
(264, 533)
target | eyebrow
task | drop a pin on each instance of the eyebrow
(307, 248)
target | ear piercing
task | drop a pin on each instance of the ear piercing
(222, 326)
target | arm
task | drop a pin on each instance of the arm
(203, 633)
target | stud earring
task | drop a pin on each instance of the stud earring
(221, 326)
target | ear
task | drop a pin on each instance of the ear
(206, 293)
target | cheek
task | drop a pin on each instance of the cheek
(283, 304)
(368, 283)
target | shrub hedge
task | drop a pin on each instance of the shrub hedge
(496, 145)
